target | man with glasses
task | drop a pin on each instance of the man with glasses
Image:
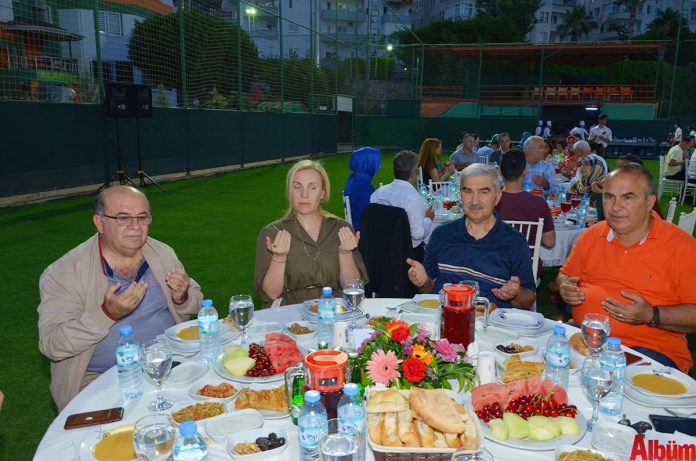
(119, 276)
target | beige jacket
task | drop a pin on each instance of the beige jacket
(71, 320)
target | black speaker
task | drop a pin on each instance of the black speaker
(127, 101)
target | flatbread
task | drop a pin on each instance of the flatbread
(387, 401)
(435, 408)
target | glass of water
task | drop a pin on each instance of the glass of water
(242, 311)
(353, 294)
(597, 382)
(153, 437)
(157, 361)
(595, 332)
(335, 445)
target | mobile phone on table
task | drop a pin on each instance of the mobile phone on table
(671, 424)
(632, 358)
(93, 418)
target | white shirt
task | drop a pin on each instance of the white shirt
(678, 135)
(600, 131)
(693, 133)
(547, 132)
(580, 132)
(538, 130)
(402, 194)
(691, 172)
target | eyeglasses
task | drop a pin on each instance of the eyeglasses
(126, 220)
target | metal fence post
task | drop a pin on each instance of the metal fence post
(182, 53)
(282, 80)
(676, 60)
(97, 44)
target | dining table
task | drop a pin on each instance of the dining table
(566, 235)
(64, 445)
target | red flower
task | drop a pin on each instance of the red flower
(414, 370)
(399, 330)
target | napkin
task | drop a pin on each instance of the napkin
(518, 318)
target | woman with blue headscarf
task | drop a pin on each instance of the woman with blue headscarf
(364, 164)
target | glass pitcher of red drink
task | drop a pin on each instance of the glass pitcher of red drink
(458, 313)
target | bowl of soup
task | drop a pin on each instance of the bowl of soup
(660, 381)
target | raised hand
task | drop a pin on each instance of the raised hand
(348, 240)
(417, 274)
(280, 246)
(571, 292)
(178, 282)
(509, 290)
(121, 304)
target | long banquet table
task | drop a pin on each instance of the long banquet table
(59, 444)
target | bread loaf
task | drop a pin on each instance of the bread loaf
(426, 436)
(375, 427)
(435, 408)
(407, 433)
(387, 401)
(390, 435)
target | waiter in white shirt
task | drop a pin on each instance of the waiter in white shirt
(601, 134)
(401, 193)
(579, 131)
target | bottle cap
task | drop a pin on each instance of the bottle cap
(350, 389)
(326, 291)
(614, 343)
(559, 330)
(187, 428)
(207, 303)
(125, 330)
(311, 396)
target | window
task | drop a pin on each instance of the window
(554, 19)
(596, 12)
(290, 4)
(110, 23)
(648, 9)
(457, 10)
(468, 9)
(543, 36)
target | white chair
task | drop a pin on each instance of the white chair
(690, 184)
(420, 176)
(435, 185)
(527, 228)
(482, 159)
(346, 209)
(687, 221)
(668, 186)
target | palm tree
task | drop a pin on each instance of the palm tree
(632, 6)
(665, 25)
(576, 23)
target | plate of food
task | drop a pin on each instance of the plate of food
(198, 411)
(260, 362)
(187, 332)
(441, 424)
(268, 399)
(301, 331)
(514, 368)
(427, 301)
(574, 453)
(221, 427)
(206, 390)
(507, 349)
(115, 444)
(255, 444)
(661, 382)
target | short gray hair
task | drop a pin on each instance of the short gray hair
(531, 140)
(583, 146)
(480, 169)
(404, 163)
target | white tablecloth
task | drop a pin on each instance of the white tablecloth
(566, 235)
(59, 444)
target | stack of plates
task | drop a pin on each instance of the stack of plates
(309, 310)
(191, 346)
(524, 323)
(659, 398)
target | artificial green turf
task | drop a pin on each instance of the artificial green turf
(212, 223)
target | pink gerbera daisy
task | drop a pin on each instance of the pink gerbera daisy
(383, 368)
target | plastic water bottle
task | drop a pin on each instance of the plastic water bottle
(672, 208)
(189, 446)
(613, 358)
(327, 316)
(208, 331)
(438, 201)
(129, 364)
(423, 190)
(312, 419)
(558, 357)
(352, 416)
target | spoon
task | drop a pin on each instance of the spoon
(683, 414)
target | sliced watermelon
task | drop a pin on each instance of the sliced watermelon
(545, 388)
(515, 389)
(272, 337)
(559, 395)
(533, 384)
(487, 394)
(283, 355)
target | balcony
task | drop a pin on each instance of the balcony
(347, 37)
(343, 15)
(264, 34)
(396, 19)
(68, 65)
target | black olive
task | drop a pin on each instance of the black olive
(262, 441)
(272, 436)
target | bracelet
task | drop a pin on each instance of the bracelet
(655, 322)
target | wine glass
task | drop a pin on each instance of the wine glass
(242, 311)
(157, 361)
(153, 437)
(596, 382)
(565, 208)
(595, 331)
(353, 294)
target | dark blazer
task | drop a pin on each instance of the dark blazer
(385, 243)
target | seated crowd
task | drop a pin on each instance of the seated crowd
(633, 266)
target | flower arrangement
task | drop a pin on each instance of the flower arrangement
(401, 355)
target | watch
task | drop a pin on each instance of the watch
(655, 322)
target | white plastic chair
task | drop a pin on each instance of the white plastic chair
(420, 176)
(690, 184)
(346, 209)
(670, 186)
(526, 228)
(687, 221)
(482, 159)
(435, 185)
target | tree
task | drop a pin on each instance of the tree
(211, 53)
(577, 22)
(632, 6)
(480, 29)
(520, 13)
(665, 25)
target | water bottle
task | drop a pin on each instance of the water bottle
(423, 191)
(438, 201)
(558, 357)
(352, 416)
(312, 420)
(189, 446)
(672, 208)
(129, 364)
(208, 331)
(327, 316)
(613, 358)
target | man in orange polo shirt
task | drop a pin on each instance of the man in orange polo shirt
(637, 269)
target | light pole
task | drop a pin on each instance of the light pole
(251, 20)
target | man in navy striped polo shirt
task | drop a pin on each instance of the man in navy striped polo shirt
(478, 247)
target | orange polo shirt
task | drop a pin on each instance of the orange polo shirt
(661, 268)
